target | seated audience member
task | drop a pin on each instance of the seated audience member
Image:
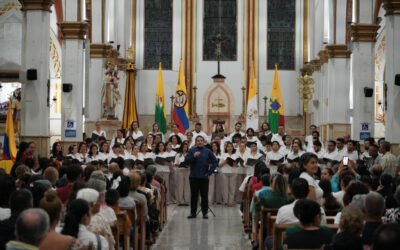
(388, 161)
(352, 220)
(138, 197)
(345, 240)
(374, 208)
(387, 237)
(344, 180)
(309, 167)
(51, 174)
(125, 201)
(393, 214)
(31, 228)
(38, 188)
(75, 224)
(19, 201)
(329, 202)
(265, 190)
(385, 187)
(53, 206)
(376, 172)
(279, 195)
(74, 172)
(7, 186)
(112, 200)
(311, 235)
(98, 223)
(299, 188)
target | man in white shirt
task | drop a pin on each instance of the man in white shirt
(318, 150)
(278, 136)
(197, 131)
(352, 152)
(309, 138)
(341, 150)
(238, 130)
(331, 153)
(299, 188)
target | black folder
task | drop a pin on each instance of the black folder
(276, 162)
(293, 160)
(251, 162)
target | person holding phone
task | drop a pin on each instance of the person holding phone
(199, 158)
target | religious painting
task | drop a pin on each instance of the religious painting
(281, 34)
(158, 34)
(220, 27)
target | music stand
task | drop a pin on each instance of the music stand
(209, 209)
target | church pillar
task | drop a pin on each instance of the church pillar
(392, 27)
(73, 34)
(363, 34)
(35, 110)
(99, 51)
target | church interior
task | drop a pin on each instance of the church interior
(111, 97)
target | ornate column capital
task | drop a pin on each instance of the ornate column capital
(307, 69)
(100, 50)
(74, 30)
(338, 51)
(316, 63)
(362, 32)
(392, 7)
(323, 56)
(36, 5)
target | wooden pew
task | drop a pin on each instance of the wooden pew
(246, 209)
(115, 233)
(123, 229)
(131, 212)
(265, 228)
(279, 230)
(141, 222)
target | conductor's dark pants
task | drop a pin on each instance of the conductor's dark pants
(197, 186)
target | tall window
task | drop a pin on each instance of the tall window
(281, 34)
(158, 34)
(220, 17)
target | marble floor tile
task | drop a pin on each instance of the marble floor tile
(223, 232)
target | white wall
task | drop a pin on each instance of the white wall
(232, 70)
(11, 39)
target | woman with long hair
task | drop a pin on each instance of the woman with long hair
(75, 224)
(163, 167)
(176, 142)
(56, 151)
(156, 131)
(53, 206)
(104, 150)
(329, 202)
(309, 167)
(135, 132)
(128, 149)
(227, 177)
(74, 153)
(82, 149)
(182, 187)
(275, 158)
(93, 154)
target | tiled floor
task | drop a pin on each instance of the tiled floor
(225, 231)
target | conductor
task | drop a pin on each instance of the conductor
(199, 158)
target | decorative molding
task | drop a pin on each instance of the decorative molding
(364, 32)
(308, 69)
(323, 55)
(56, 59)
(44, 5)
(100, 50)
(10, 6)
(338, 51)
(392, 7)
(74, 30)
(316, 63)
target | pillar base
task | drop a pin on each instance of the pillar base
(333, 131)
(42, 144)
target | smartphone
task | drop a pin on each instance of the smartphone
(345, 161)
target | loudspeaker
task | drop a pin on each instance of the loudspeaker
(397, 80)
(368, 92)
(67, 87)
(31, 74)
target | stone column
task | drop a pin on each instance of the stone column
(73, 35)
(392, 129)
(363, 65)
(35, 110)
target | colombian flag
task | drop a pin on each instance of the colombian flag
(9, 148)
(181, 113)
(160, 116)
(276, 115)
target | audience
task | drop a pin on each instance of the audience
(387, 237)
(31, 228)
(374, 209)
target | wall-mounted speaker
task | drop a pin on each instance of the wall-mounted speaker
(368, 92)
(67, 87)
(397, 80)
(31, 74)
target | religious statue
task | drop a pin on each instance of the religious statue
(16, 108)
(110, 95)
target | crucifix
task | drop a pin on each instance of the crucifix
(218, 40)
